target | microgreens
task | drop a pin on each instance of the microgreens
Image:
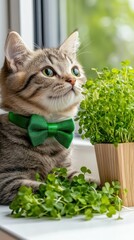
(107, 112)
(58, 196)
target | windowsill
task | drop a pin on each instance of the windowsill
(80, 142)
(100, 227)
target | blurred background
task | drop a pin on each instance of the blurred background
(106, 27)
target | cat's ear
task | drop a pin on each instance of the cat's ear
(16, 51)
(71, 44)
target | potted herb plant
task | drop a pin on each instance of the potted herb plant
(106, 117)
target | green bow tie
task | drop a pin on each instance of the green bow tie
(39, 129)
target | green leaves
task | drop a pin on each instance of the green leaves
(59, 196)
(85, 170)
(106, 114)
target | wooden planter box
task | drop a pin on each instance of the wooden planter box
(117, 163)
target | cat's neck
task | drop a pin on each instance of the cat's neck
(50, 117)
(56, 118)
(61, 116)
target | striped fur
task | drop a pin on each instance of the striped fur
(26, 90)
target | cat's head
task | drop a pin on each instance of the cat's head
(46, 81)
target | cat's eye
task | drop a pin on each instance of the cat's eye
(75, 71)
(48, 71)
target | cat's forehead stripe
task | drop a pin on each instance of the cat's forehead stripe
(59, 58)
(69, 59)
(52, 58)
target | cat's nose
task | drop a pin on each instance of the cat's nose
(71, 81)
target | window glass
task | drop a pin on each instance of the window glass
(106, 31)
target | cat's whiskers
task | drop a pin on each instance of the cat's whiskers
(58, 88)
(36, 46)
(78, 87)
(79, 54)
(85, 45)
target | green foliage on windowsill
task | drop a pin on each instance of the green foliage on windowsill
(107, 112)
(60, 197)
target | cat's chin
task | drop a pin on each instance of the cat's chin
(63, 102)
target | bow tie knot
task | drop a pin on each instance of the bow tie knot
(52, 129)
(39, 129)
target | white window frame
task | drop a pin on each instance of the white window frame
(63, 20)
(18, 11)
(50, 23)
(3, 27)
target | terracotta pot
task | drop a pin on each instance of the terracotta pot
(117, 163)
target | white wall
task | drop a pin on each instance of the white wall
(3, 28)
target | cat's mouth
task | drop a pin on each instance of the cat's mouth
(63, 94)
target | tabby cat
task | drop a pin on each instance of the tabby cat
(45, 82)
